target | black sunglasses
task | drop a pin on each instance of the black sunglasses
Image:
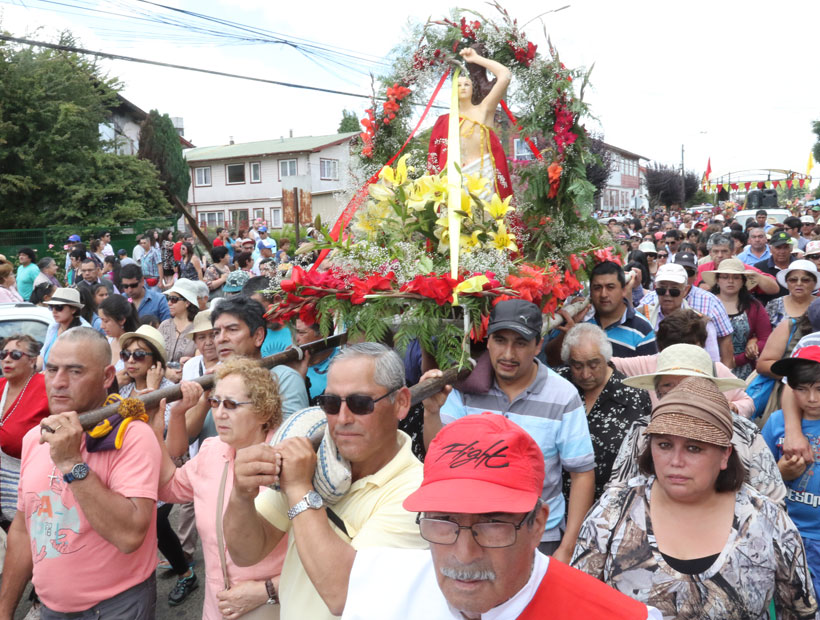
(673, 292)
(57, 307)
(138, 355)
(664, 255)
(173, 299)
(15, 354)
(125, 285)
(359, 404)
(813, 256)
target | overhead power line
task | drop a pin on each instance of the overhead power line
(80, 50)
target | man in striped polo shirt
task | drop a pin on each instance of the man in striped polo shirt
(524, 390)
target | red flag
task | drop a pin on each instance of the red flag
(720, 187)
(708, 169)
(760, 185)
(789, 183)
(747, 185)
(734, 186)
(776, 184)
(802, 182)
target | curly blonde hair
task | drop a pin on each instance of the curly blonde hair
(262, 388)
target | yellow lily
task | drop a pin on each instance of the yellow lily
(397, 177)
(475, 183)
(472, 285)
(467, 204)
(380, 192)
(498, 208)
(420, 194)
(471, 242)
(502, 240)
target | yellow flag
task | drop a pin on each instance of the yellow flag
(454, 178)
(810, 165)
(769, 184)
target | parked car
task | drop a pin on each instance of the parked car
(24, 318)
(773, 216)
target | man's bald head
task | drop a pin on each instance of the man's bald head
(90, 341)
(78, 372)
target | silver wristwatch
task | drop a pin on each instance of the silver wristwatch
(311, 500)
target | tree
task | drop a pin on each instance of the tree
(350, 122)
(663, 184)
(159, 144)
(53, 166)
(599, 171)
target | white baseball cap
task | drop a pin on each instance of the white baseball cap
(671, 272)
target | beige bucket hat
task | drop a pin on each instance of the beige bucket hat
(732, 266)
(686, 360)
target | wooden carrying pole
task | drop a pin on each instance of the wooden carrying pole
(90, 419)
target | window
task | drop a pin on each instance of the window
(202, 176)
(329, 169)
(235, 173)
(238, 218)
(276, 217)
(258, 214)
(522, 150)
(256, 172)
(287, 168)
(212, 219)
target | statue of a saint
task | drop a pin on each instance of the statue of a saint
(481, 150)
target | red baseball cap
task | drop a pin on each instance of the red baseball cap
(479, 464)
(805, 354)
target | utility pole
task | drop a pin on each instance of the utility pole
(682, 180)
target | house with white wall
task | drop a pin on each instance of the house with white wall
(234, 184)
(626, 186)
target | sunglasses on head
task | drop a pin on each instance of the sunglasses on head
(359, 404)
(229, 403)
(138, 355)
(15, 354)
(673, 292)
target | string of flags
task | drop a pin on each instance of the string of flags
(747, 185)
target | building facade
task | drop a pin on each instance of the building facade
(626, 186)
(234, 184)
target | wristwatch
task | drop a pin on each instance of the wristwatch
(273, 597)
(311, 500)
(78, 472)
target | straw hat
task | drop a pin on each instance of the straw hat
(812, 247)
(684, 360)
(202, 323)
(694, 409)
(732, 266)
(797, 265)
(184, 288)
(65, 297)
(149, 334)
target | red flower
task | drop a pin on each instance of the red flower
(468, 29)
(575, 262)
(554, 172)
(524, 55)
(439, 288)
(373, 283)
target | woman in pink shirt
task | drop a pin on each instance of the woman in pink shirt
(247, 410)
(8, 285)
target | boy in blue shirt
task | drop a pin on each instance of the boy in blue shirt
(802, 372)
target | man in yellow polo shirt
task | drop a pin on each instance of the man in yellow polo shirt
(364, 400)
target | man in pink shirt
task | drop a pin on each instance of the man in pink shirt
(85, 529)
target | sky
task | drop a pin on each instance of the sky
(727, 80)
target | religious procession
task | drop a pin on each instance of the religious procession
(478, 393)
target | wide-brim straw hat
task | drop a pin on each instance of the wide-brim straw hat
(149, 334)
(65, 297)
(202, 323)
(684, 360)
(184, 288)
(799, 265)
(731, 266)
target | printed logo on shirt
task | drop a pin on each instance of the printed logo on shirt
(53, 527)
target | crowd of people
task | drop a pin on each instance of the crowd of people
(652, 457)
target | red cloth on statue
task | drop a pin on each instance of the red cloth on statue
(566, 592)
(24, 413)
(437, 156)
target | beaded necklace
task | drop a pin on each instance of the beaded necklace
(19, 398)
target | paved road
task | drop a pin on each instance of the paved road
(191, 609)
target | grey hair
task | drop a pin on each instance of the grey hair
(719, 239)
(388, 368)
(579, 333)
(98, 343)
(45, 263)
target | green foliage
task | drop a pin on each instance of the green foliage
(349, 122)
(53, 168)
(159, 144)
(700, 197)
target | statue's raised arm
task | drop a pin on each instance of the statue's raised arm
(478, 98)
